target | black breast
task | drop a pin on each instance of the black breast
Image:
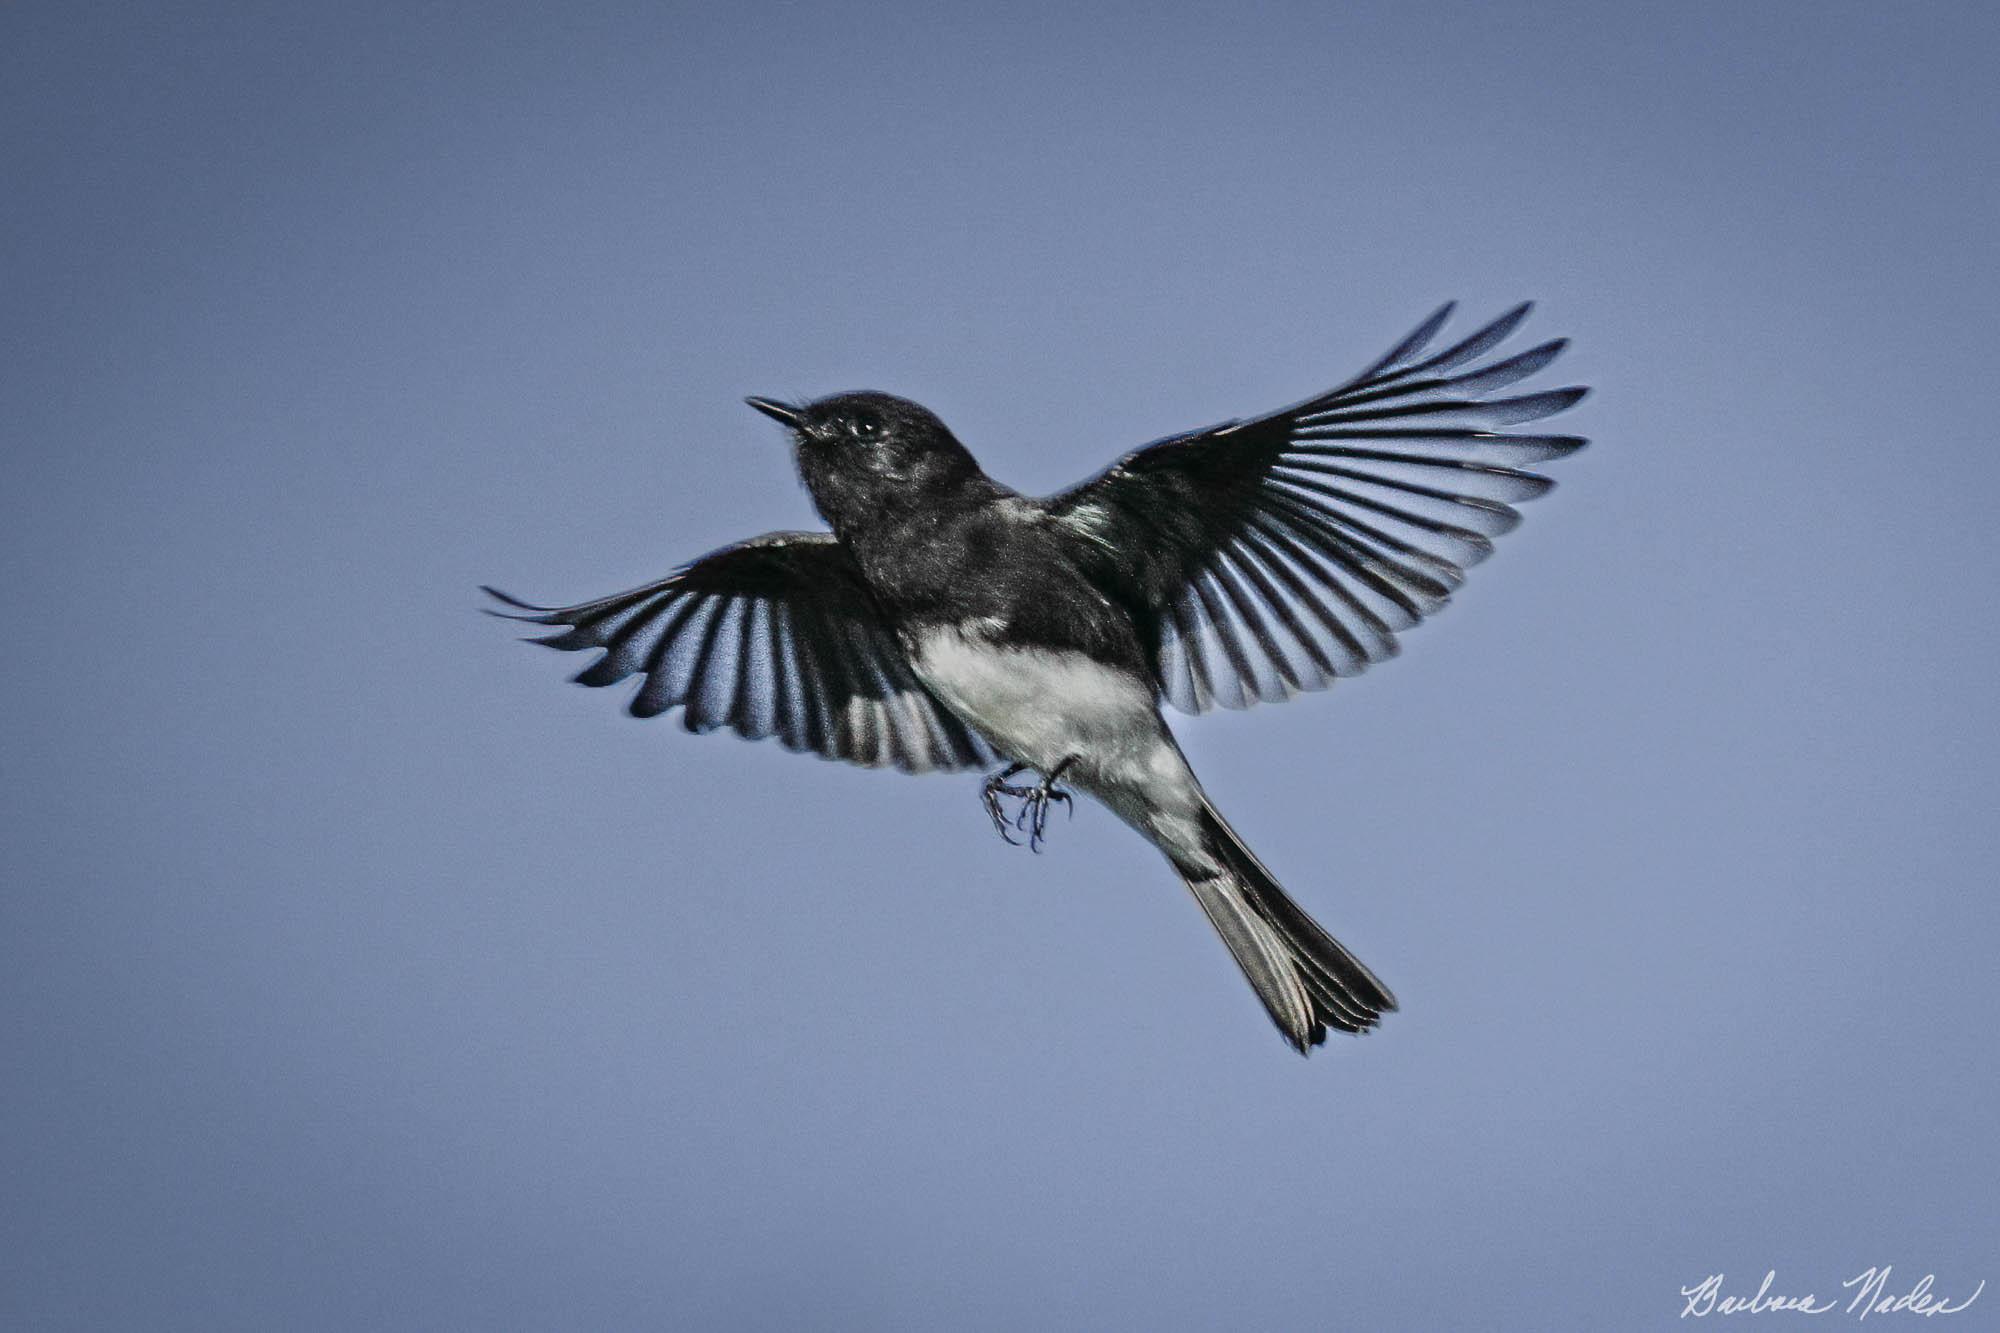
(1003, 564)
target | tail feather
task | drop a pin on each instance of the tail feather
(1264, 958)
(1306, 978)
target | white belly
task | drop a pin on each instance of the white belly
(1041, 706)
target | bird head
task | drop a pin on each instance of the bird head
(868, 455)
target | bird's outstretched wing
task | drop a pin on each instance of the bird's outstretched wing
(1278, 553)
(776, 636)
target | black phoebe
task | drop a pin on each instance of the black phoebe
(948, 622)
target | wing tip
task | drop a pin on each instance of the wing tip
(1428, 330)
(510, 599)
(595, 676)
(527, 611)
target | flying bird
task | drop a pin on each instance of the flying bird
(948, 622)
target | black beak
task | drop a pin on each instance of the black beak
(789, 416)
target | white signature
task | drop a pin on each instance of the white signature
(1870, 1288)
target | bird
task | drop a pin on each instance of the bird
(943, 621)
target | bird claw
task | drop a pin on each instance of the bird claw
(990, 794)
(1033, 816)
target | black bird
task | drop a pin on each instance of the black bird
(949, 622)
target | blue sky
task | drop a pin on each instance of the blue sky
(357, 971)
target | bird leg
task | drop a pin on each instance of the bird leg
(996, 787)
(1033, 816)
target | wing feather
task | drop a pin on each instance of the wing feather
(1283, 551)
(777, 636)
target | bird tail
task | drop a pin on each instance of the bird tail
(1306, 978)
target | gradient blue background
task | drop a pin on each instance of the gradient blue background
(356, 971)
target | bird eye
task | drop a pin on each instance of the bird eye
(863, 427)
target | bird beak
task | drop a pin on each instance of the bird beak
(779, 412)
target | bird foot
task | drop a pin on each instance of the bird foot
(1033, 816)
